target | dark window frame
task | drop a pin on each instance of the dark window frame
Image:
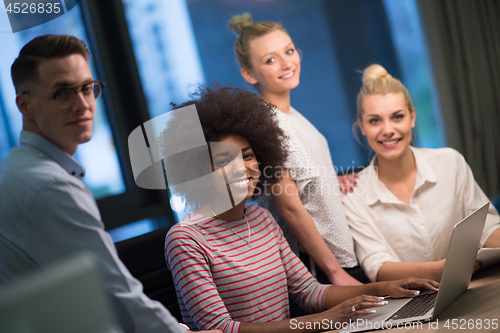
(126, 109)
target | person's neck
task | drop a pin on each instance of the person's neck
(69, 148)
(234, 214)
(397, 170)
(281, 100)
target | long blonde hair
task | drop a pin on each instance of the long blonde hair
(247, 30)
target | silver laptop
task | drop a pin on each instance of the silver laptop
(455, 280)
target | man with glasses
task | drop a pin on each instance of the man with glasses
(46, 211)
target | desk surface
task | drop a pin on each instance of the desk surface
(481, 302)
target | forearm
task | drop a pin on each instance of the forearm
(399, 270)
(338, 294)
(338, 303)
(410, 287)
(494, 239)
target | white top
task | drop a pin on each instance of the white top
(387, 229)
(310, 165)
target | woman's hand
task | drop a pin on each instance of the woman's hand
(354, 308)
(410, 287)
(348, 182)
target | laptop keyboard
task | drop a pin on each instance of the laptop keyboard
(418, 306)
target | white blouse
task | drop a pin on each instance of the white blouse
(387, 229)
(310, 166)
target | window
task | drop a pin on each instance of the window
(166, 51)
(412, 56)
(167, 57)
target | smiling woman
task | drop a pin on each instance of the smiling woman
(233, 269)
(387, 124)
(408, 199)
(224, 113)
(309, 211)
(275, 65)
(386, 115)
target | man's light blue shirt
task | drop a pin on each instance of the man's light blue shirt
(47, 213)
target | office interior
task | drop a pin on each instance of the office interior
(151, 53)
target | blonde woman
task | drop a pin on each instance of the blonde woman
(306, 203)
(408, 199)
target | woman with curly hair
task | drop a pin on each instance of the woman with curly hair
(235, 111)
(310, 212)
(232, 268)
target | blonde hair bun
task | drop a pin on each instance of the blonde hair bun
(247, 30)
(376, 80)
(373, 72)
(238, 22)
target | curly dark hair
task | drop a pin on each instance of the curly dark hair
(222, 111)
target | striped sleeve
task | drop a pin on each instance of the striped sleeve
(302, 286)
(189, 261)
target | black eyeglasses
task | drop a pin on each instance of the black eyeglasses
(65, 97)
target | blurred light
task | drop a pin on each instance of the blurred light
(132, 230)
(177, 204)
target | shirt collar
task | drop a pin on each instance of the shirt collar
(379, 192)
(62, 158)
(375, 189)
(424, 170)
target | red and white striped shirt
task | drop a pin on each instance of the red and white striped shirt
(222, 281)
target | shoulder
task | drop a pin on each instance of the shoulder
(33, 169)
(447, 158)
(367, 177)
(262, 221)
(188, 231)
(254, 209)
(431, 153)
(298, 119)
(33, 180)
(290, 121)
(181, 240)
(296, 113)
(258, 213)
(187, 226)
